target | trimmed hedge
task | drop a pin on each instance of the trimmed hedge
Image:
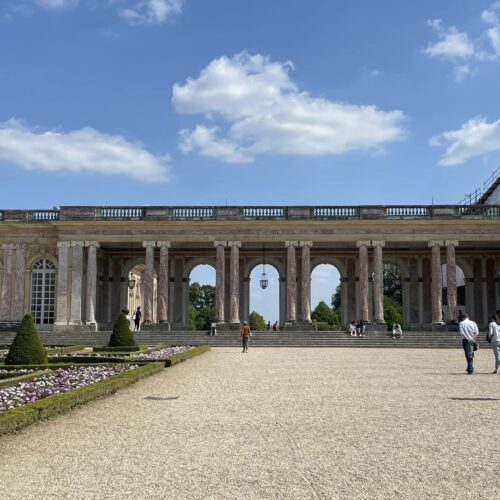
(64, 349)
(135, 348)
(7, 381)
(13, 420)
(122, 334)
(182, 356)
(27, 346)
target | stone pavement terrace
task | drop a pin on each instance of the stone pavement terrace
(275, 423)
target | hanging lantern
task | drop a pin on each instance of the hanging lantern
(263, 277)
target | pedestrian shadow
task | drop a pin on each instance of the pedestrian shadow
(475, 399)
(156, 398)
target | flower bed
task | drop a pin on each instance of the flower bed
(57, 381)
(170, 355)
(64, 389)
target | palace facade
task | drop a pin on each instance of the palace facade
(76, 267)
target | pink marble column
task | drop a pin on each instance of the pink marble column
(378, 282)
(163, 282)
(306, 281)
(18, 283)
(6, 282)
(363, 280)
(436, 303)
(62, 283)
(149, 281)
(91, 282)
(451, 280)
(291, 282)
(220, 269)
(76, 283)
(235, 282)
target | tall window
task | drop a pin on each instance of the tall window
(43, 291)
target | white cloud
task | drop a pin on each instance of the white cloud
(458, 47)
(83, 150)
(58, 4)
(452, 44)
(265, 112)
(151, 11)
(476, 137)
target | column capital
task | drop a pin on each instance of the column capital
(77, 243)
(306, 243)
(146, 244)
(378, 243)
(435, 242)
(163, 244)
(291, 243)
(64, 244)
(451, 242)
(7, 246)
(220, 243)
(92, 244)
(234, 243)
(363, 243)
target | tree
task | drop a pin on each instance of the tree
(322, 313)
(257, 322)
(122, 335)
(27, 347)
(393, 312)
(336, 297)
(392, 283)
(201, 306)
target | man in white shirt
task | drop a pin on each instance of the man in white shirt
(469, 331)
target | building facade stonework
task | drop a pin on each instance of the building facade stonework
(71, 267)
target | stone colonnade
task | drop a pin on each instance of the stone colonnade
(82, 285)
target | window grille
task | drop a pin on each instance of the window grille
(43, 291)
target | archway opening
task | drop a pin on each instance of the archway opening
(326, 297)
(201, 309)
(135, 287)
(461, 304)
(393, 295)
(264, 306)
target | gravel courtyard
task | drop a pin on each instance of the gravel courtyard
(275, 423)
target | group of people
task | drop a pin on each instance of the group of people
(135, 319)
(357, 329)
(469, 331)
(274, 328)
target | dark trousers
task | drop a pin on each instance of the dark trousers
(468, 346)
(245, 343)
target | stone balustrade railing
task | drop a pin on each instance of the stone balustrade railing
(88, 213)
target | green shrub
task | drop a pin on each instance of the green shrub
(122, 335)
(182, 356)
(27, 347)
(64, 349)
(257, 322)
(135, 348)
(322, 326)
(393, 312)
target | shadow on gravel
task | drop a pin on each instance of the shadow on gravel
(475, 399)
(155, 398)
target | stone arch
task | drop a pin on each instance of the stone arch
(340, 267)
(41, 255)
(276, 262)
(193, 262)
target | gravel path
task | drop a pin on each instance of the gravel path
(275, 423)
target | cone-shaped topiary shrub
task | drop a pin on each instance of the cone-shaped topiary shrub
(27, 347)
(122, 334)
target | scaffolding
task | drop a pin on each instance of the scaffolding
(479, 195)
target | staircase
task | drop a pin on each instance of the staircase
(411, 339)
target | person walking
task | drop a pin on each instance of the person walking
(494, 340)
(137, 319)
(469, 331)
(245, 335)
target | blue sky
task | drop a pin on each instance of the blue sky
(159, 102)
(191, 102)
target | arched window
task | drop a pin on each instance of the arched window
(43, 291)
